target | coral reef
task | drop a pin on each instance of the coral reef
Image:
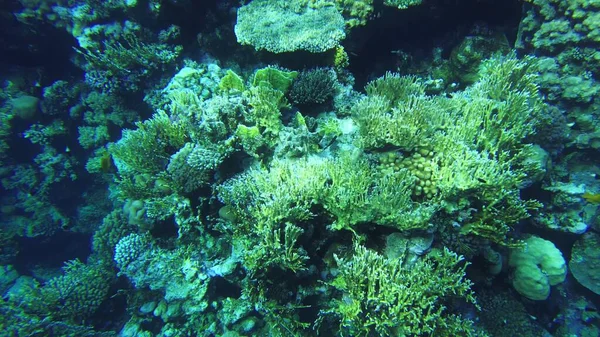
(299, 168)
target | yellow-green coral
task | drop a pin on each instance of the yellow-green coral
(378, 296)
(266, 103)
(355, 12)
(350, 190)
(250, 139)
(420, 164)
(476, 136)
(341, 59)
(232, 81)
(275, 247)
(275, 78)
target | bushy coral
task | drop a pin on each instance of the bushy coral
(15, 321)
(502, 315)
(292, 191)
(148, 148)
(130, 248)
(191, 165)
(567, 34)
(147, 265)
(315, 86)
(407, 301)
(72, 297)
(128, 61)
(59, 97)
(114, 227)
(476, 136)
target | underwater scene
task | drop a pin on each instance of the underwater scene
(291, 168)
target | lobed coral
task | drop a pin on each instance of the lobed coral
(536, 267)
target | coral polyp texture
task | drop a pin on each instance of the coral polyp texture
(286, 26)
(285, 168)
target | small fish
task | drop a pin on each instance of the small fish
(106, 163)
(593, 198)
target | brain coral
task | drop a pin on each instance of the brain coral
(284, 26)
(536, 267)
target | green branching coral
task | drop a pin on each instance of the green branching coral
(15, 321)
(407, 126)
(350, 190)
(395, 88)
(283, 192)
(142, 155)
(74, 296)
(356, 13)
(120, 57)
(380, 297)
(477, 136)
(358, 193)
(148, 148)
(276, 248)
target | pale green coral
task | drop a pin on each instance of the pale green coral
(148, 148)
(381, 297)
(349, 189)
(148, 265)
(250, 139)
(585, 261)
(232, 82)
(93, 136)
(395, 88)
(476, 135)
(285, 26)
(277, 79)
(266, 103)
(73, 296)
(536, 267)
(130, 52)
(191, 166)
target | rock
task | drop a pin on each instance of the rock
(585, 261)
(148, 307)
(25, 107)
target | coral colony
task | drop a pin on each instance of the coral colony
(351, 168)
